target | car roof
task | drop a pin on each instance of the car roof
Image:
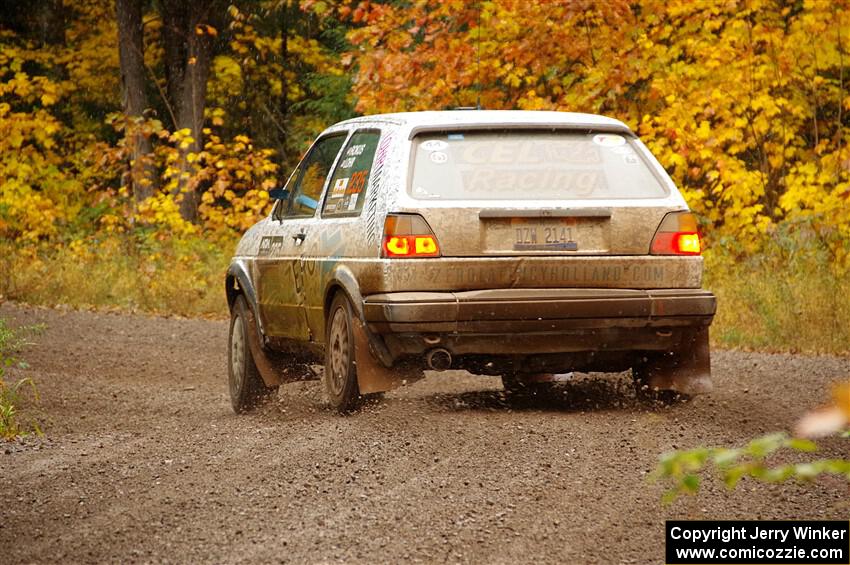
(490, 119)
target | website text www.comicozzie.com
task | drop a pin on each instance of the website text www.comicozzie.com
(688, 554)
(757, 542)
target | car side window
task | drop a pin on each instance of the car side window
(347, 188)
(304, 196)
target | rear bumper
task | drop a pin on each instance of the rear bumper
(595, 329)
(519, 311)
(539, 331)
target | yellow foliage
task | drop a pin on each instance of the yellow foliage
(741, 102)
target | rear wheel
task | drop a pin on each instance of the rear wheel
(340, 376)
(247, 388)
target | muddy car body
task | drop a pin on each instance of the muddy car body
(520, 244)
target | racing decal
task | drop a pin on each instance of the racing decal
(375, 180)
(557, 275)
(355, 150)
(434, 145)
(270, 245)
(530, 151)
(358, 182)
(577, 183)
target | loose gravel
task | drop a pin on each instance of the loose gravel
(143, 460)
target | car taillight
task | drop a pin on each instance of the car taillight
(677, 235)
(408, 235)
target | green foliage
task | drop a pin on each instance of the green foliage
(790, 296)
(12, 394)
(683, 468)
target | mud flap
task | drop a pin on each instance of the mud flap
(372, 375)
(273, 373)
(687, 372)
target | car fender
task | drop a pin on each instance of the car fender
(341, 276)
(374, 362)
(239, 281)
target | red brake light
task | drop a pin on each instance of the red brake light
(687, 243)
(677, 235)
(408, 235)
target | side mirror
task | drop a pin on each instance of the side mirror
(278, 194)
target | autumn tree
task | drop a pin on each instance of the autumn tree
(744, 103)
(188, 32)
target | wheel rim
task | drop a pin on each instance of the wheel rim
(237, 356)
(339, 352)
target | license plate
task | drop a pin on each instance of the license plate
(542, 235)
(530, 236)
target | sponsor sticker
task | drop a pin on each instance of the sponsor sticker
(439, 157)
(609, 140)
(339, 188)
(434, 145)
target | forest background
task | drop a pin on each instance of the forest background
(139, 138)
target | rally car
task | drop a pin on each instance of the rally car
(512, 243)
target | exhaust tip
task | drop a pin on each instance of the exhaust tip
(439, 359)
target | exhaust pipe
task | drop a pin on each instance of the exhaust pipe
(439, 359)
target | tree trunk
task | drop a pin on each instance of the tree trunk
(188, 55)
(134, 99)
(51, 22)
(283, 105)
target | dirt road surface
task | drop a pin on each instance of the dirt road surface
(143, 460)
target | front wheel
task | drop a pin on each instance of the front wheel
(340, 376)
(247, 388)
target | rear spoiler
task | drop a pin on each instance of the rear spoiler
(526, 126)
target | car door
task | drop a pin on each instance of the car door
(279, 280)
(336, 235)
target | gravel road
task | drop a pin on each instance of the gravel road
(143, 460)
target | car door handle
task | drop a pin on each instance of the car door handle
(299, 237)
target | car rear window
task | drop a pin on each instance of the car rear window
(530, 166)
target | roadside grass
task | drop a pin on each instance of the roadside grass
(135, 273)
(791, 297)
(14, 394)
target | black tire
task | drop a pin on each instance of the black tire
(247, 389)
(340, 376)
(645, 393)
